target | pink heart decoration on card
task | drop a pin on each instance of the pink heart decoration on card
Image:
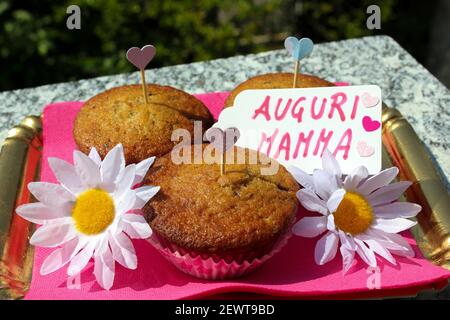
(364, 150)
(141, 57)
(369, 124)
(368, 100)
(222, 140)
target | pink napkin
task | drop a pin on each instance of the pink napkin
(290, 273)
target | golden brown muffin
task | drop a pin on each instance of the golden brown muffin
(240, 212)
(119, 115)
(276, 81)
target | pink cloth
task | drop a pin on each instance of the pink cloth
(290, 273)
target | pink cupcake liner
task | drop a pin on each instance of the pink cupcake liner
(212, 267)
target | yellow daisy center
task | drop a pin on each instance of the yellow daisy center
(93, 211)
(354, 214)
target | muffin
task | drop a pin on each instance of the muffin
(221, 226)
(120, 115)
(276, 81)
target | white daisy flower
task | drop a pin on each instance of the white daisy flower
(90, 213)
(359, 212)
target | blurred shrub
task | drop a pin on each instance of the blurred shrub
(37, 48)
(340, 19)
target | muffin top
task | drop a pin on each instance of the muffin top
(276, 81)
(200, 210)
(120, 115)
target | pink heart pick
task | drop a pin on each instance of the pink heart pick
(369, 124)
(222, 140)
(364, 150)
(141, 57)
(368, 100)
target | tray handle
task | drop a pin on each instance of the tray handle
(409, 154)
(20, 159)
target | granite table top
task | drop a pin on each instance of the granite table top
(380, 60)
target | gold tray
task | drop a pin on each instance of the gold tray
(20, 159)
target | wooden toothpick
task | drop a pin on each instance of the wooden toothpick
(296, 68)
(298, 49)
(140, 57)
(144, 86)
(222, 140)
(222, 164)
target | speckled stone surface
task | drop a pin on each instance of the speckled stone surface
(405, 84)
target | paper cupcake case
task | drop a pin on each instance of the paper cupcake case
(212, 267)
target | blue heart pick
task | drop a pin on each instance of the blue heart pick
(298, 48)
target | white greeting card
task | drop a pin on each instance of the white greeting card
(295, 126)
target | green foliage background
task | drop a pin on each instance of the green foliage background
(37, 48)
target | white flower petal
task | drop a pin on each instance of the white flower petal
(378, 248)
(365, 253)
(397, 210)
(104, 266)
(395, 243)
(61, 256)
(53, 235)
(324, 183)
(330, 164)
(126, 203)
(39, 213)
(310, 201)
(126, 181)
(135, 226)
(304, 179)
(347, 241)
(335, 199)
(347, 249)
(330, 223)
(388, 193)
(66, 175)
(348, 256)
(310, 227)
(142, 168)
(399, 246)
(393, 225)
(326, 248)
(86, 169)
(353, 180)
(113, 165)
(79, 262)
(51, 194)
(143, 195)
(379, 180)
(93, 154)
(123, 250)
